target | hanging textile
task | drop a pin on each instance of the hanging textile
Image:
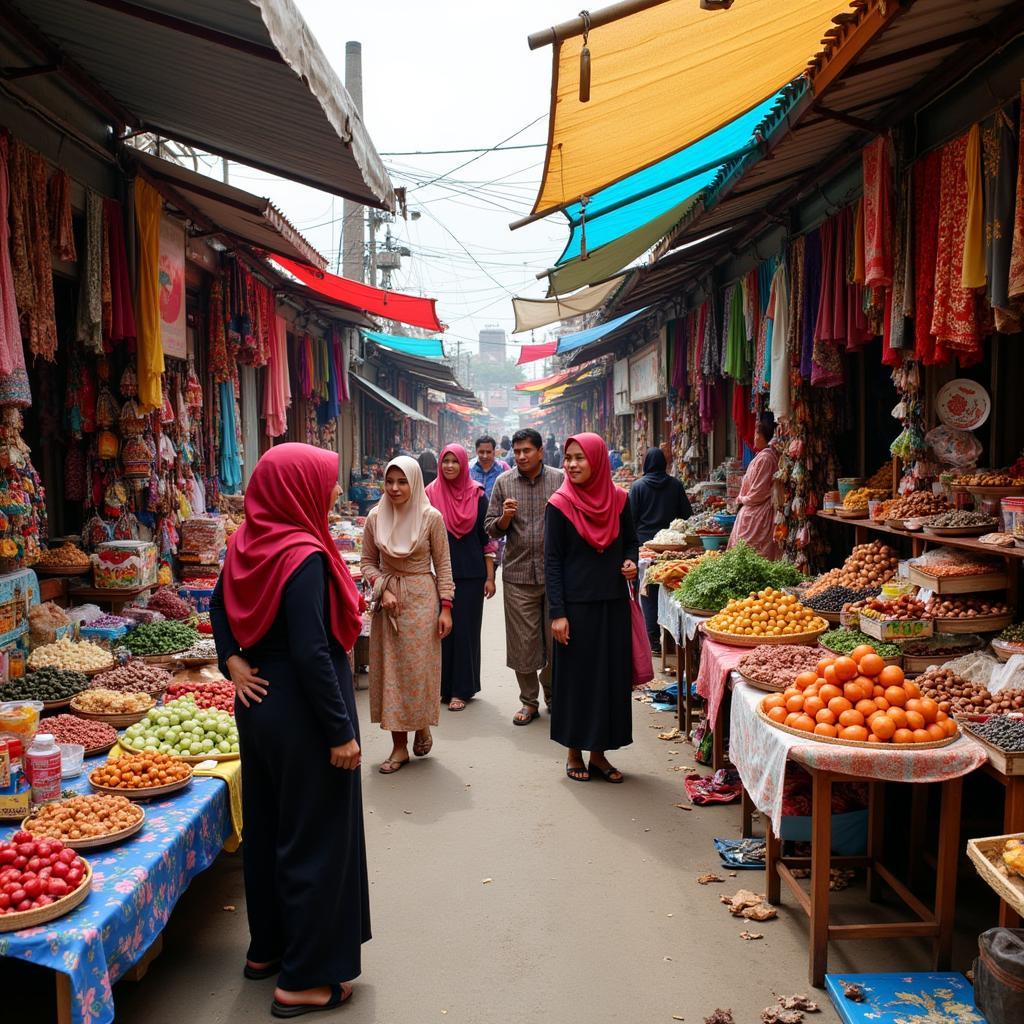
(12, 354)
(1015, 288)
(328, 410)
(779, 394)
(735, 363)
(812, 282)
(62, 227)
(858, 242)
(150, 352)
(1000, 175)
(122, 309)
(744, 419)
(896, 334)
(925, 185)
(877, 215)
(710, 354)
(677, 334)
(217, 342)
(955, 320)
(90, 283)
(277, 389)
(972, 273)
(343, 356)
(229, 464)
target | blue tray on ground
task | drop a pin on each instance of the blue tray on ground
(928, 998)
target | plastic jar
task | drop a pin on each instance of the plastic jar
(42, 766)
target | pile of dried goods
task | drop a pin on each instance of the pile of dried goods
(859, 498)
(845, 641)
(766, 613)
(160, 638)
(777, 664)
(213, 693)
(961, 520)
(101, 701)
(990, 478)
(83, 817)
(45, 684)
(902, 609)
(832, 599)
(961, 696)
(1005, 733)
(942, 646)
(67, 556)
(140, 771)
(169, 605)
(72, 729)
(73, 657)
(735, 573)
(911, 506)
(952, 564)
(135, 676)
(942, 606)
(868, 567)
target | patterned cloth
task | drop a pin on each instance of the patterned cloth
(716, 662)
(135, 886)
(524, 550)
(760, 753)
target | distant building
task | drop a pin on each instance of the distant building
(492, 346)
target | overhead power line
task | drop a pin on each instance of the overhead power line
(472, 149)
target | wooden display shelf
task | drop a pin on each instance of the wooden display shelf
(117, 599)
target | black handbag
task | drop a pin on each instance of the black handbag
(999, 975)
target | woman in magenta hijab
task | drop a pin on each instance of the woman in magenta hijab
(462, 504)
(284, 612)
(590, 551)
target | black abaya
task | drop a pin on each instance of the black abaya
(591, 706)
(656, 499)
(460, 650)
(304, 854)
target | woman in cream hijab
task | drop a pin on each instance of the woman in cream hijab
(406, 561)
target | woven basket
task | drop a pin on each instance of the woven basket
(986, 854)
(836, 741)
(794, 639)
(58, 908)
(107, 840)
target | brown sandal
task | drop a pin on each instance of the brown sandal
(389, 767)
(423, 747)
(525, 715)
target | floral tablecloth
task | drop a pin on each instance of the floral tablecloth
(135, 886)
(716, 662)
(759, 753)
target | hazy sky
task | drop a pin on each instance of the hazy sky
(445, 75)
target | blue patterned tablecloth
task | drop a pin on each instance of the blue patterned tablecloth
(135, 886)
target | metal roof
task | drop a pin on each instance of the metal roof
(244, 79)
(389, 400)
(434, 374)
(237, 213)
(877, 67)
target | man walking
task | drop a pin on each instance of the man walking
(485, 468)
(516, 513)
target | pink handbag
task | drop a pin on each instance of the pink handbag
(643, 663)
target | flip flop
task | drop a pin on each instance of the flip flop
(421, 749)
(456, 704)
(262, 973)
(389, 767)
(338, 996)
(606, 773)
(518, 720)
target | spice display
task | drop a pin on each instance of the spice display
(160, 638)
(134, 676)
(100, 701)
(859, 498)
(204, 649)
(82, 656)
(66, 871)
(735, 573)
(140, 771)
(90, 816)
(72, 729)
(991, 478)
(961, 696)
(1005, 733)
(213, 693)
(767, 613)
(832, 599)
(845, 641)
(946, 607)
(778, 664)
(182, 727)
(169, 605)
(46, 684)
(961, 520)
(868, 567)
(944, 562)
(858, 697)
(881, 479)
(911, 506)
(67, 556)
(902, 609)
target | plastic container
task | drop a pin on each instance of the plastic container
(891, 591)
(106, 638)
(43, 768)
(712, 542)
(20, 718)
(873, 505)
(72, 756)
(725, 521)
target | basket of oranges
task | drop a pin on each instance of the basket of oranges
(859, 700)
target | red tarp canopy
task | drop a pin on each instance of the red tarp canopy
(407, 309)
(534, 353)
(545, 382)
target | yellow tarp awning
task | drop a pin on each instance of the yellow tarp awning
(664, 78)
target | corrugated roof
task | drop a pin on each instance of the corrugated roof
(877, 66)
(244, 79)
(247, 217)
(389, 400)
(434, 374)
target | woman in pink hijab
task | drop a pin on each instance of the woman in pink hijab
(590, 552)
(462, 504)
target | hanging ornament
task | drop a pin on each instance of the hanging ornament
(129, 383)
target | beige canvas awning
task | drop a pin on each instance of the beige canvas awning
(534, 313)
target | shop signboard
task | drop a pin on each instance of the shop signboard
(620, 381)
(173, 332)
(645, 375)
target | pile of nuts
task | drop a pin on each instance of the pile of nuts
(778, 664)
(66, 654)
(72, 729)
(961, 696)
(67, 556)
(860, 497)
(135, 676)
(990, 479)
(946, 607)
(206, 648)
(100, 701)
(901, 609)
(911, 506)
(868, 567)
(959, 520)
(140, 771)
(84, 817)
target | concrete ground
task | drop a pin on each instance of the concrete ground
(503, 892)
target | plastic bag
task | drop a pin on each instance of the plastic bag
(953, 447)
(84, 613)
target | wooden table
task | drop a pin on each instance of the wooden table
(117, 599)
(934, 923)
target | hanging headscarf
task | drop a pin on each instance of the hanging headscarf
(593, 508)
(428, 467)
(457, 500)
(285, 522)
(398, 528)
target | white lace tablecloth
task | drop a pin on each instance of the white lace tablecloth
(672, 617)
(759, 753)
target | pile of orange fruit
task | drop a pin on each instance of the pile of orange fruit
(859, 697)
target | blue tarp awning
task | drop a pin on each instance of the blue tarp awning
(715, 149)
(427, 348)
(571, 342)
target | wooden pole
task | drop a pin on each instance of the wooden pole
(574, 26)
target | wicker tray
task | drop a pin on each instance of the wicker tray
(62, 570)
(979, 624)
(1004, 650)
(991, 492)
(662, 548)
(794, 639)
(852, 513)
(987, 857)
(959, 584)
(187, 758)
(160, 659)
(107, 840)
(962, 531)
(832, 617)
(58, 908)
(149, 793)
(836, 741)
(117, 721)
(57, 705)
(895, 524)
(92, 672)
(96, 751)
(200, 662)
(758, 685)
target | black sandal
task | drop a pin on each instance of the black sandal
(581, 774)
(338, 996)
(606, 773)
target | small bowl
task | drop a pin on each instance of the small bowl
(72, 756)
(914, 524)
(712, 542)
(725, 521)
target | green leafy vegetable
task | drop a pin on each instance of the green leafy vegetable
(738, 572)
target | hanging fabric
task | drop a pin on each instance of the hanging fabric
(779, 385)
(62, 227)
(150, 352)
(812, 282)
(896, 334)
(122, 308)
(999, 168)
(926, 185)
(1015, 287)
(877, 216)
(90, 284)
(972, 273)
(229, 463)
(276, 392)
